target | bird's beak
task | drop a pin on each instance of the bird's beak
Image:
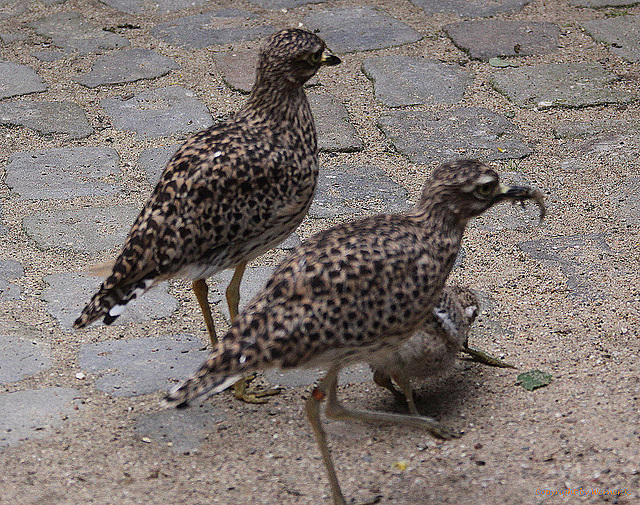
(520, 194)
(329, 60)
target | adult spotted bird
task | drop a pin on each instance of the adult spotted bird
(230, 193)
(356, 292)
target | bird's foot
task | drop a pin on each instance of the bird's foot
(252, 394)
(485, 358)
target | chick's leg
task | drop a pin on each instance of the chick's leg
(384, 380)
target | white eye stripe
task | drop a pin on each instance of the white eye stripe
(486, 178)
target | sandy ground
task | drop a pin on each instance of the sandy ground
(579, 433)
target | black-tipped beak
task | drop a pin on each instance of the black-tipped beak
(329, 60)
(520, 194)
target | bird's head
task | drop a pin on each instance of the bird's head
(467, 188)
(293, 56)
(468, 301)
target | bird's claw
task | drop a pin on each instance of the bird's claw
(255, 395)
(485, 358)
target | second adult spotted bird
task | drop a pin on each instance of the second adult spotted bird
(355, 292)
(231, 192)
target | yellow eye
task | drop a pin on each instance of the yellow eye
(485, 189)
(316, 57)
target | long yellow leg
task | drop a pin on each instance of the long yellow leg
(201, 290)
(327, 388)
(313, 413)
(233, 291)
(241, 389)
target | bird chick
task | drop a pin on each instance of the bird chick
(432, 350)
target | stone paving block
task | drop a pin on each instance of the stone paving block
(291, 242)
(52, 55)
(359, 29)
(9, 291)
(127, 65)
(506, 216)
(486, 38)
(73, 33)
(10, 270)
(20, 358)
(627, 195)
(139, 366)
(16, 80)
(154, 161)
(611, 143)
(67, 294)
(184, 430)
(63, 117)
(283, 4)
(35, 413)
(171, 110)
(253, 281)
(335, 132)
(404, 80)
(612, 146)
(9, 8)
(471, 132)
(65, 172)
(10, 37)
(575, 130)
(581, 258)
(558, 85)
(238, 68)
(470, 8)
(620, 33)
(354, 190)
(139, 6)
(210, 29)
(87, 230)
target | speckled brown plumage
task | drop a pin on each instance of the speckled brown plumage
(431, 351)
(353, 293)
(231, 192)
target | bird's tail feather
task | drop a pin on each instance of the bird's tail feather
(110, 300)
(195, 387)
(226, 365)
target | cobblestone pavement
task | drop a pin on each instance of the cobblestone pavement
(96, 95)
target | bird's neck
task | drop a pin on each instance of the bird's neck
(436, 212)
(442, 229)
(283, 103)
